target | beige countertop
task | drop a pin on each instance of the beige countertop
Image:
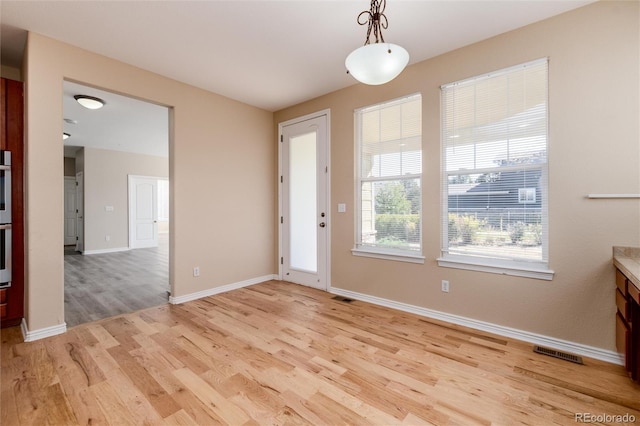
(627, 259)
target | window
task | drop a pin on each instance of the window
(526, 195)
(494, 161)
(389, 179)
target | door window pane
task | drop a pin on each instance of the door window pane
(303, 202)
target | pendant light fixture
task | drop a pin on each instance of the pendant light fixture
(90, 102)
(379, 62)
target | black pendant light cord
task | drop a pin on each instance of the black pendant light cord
(376, 19)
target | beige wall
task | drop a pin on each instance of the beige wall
(594, 148)
(10, 73)
(106, 184)
(222, 165)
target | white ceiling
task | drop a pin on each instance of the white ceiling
(123, 124)
(270, 54)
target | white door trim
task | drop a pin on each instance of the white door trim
(327, 114)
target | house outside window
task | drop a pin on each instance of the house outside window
(389, 180)
(494, 165)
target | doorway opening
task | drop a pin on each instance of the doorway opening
(104, 274)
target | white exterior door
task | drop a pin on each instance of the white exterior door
(304, 220)
(69, 210)
(80, 212)
(143, 212)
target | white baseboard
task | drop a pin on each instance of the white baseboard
(30, 336)
(109, 250)
(217, 290)
(537, 339)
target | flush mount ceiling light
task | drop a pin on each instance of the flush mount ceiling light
(65, 136)
(89, 101)
(380, 62)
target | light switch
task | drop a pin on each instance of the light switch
(108, 208)
(342, 208)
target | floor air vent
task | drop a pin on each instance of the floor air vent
(342, 299)
(557, 354)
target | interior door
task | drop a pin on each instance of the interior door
(143, 212)
(80, 212)
(69, 210)
(304, 216)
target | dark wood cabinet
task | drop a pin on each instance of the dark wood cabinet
(11, 139)
(628, 324)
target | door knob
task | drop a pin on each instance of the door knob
(322, 224)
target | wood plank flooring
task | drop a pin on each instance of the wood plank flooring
(279, 353)
(103, 285)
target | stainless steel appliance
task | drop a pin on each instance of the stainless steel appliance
(5, 219)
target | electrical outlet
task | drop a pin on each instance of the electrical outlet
(107, 237)
(196, 271)
(445, 286)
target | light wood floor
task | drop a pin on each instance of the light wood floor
(103, 285)
(279, 353)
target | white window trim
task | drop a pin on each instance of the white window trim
(400, 256)
(513, 268)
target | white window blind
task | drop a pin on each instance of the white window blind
(494, 160)
(389, 145)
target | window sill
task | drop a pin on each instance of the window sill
(496, 267)
(388, 255)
